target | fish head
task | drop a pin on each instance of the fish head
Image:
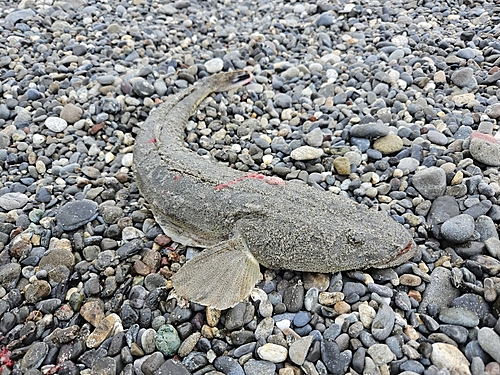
(230, 80)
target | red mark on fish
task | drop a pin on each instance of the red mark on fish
(267, 179)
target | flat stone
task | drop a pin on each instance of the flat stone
(381, 354)
(34, 356)
(489, 342)
(13, 201)
(459, 316)
(306, 153)
(272, 353)
(75, 214)
(299, 349)
(388, 144)
(383, 323)
(56, 124)
(92, 312)
(102, 331)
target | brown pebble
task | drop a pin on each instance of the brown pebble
(152, 259)
(92, 312)
(493, 368)
(136, 350)
(415, 294)
(96, 128)
(163, 240)
(330, 298)
(122, 177)
(342, 307)
(410, 280)
(140, 268)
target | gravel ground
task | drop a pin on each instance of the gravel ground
(394, 105)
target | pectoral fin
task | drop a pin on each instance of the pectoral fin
(220, 276)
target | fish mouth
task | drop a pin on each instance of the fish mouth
(242, 78)
(402, 256)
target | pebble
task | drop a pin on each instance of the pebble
(458, 229)
(75, 214)
(167, 340)
(489, 341)
(459, 316)
(449, 357)
(430, 182)
(56, 124)
(306, 153)
(383, 322)
(272, 353)
(13, 201)
(485, 149)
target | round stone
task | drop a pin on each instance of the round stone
(272, 353)
(167, 340)
(56, 124)
(214, 65)
(306, 153)
(388, 144)
(458, 229)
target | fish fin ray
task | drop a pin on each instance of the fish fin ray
(220, 276)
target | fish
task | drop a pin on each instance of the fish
(243, 220)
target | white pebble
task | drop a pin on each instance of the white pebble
(38, 139)
(214, 65)
(56, 124)
(127, 160)
(267, 159)
(272, 353)
(283, 324)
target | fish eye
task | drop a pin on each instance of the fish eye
(355, 238)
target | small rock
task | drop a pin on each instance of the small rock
(485, 149)
(299, 348)
(75, 214)
(458, 316)
(70, 113)
(451, 358)
(381, 354)
(214, 65)
(306, 153)
(56, 124)
(13, 201)
(167, 340)
(383, 323)
(489, 342)
(388, 144)
(430, 182)
(458, 229)
(272, 353)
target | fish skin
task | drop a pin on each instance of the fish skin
(288, 225)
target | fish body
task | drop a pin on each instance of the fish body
(243, 219)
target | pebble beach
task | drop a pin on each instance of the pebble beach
(395, 105)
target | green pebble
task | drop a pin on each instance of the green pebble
(167, 340)
(35, 215)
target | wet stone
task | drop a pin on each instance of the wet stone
(228, 366)
(458, 316)
(75, 214)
